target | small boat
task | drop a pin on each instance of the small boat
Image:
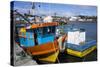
(78, 45)
(39, 40)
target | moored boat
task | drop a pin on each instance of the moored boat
(40, 40)
(78, 45)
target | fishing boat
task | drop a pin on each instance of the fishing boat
(39, 40)
(77, 44)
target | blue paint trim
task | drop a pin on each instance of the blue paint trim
(81, 47)
(45, 39)
(26, 42)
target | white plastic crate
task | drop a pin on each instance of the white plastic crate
(76, 36)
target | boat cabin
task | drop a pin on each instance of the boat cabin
(37, 34)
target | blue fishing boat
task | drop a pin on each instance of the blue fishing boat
(77, 44)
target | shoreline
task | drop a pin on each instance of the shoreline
(83, 21)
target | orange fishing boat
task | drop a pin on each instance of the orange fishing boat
(39, 40)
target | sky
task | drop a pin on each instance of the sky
(59, 9)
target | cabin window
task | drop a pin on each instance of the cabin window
(45, 31)
(53, 29)
(39, 31)
(49, 30)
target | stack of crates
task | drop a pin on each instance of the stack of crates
(73, 36)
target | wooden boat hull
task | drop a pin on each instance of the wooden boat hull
(80, 53)
(43, 49)
(82, 49)
(50, 58)
(61, 41)
(83, 46)
(46, 52)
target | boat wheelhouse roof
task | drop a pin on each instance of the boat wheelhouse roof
(39, 25)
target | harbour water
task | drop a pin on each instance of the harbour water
(90, 27)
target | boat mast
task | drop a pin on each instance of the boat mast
(32, 10)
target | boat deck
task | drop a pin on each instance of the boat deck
(43, 49)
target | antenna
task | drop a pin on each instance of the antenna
(33, 5)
